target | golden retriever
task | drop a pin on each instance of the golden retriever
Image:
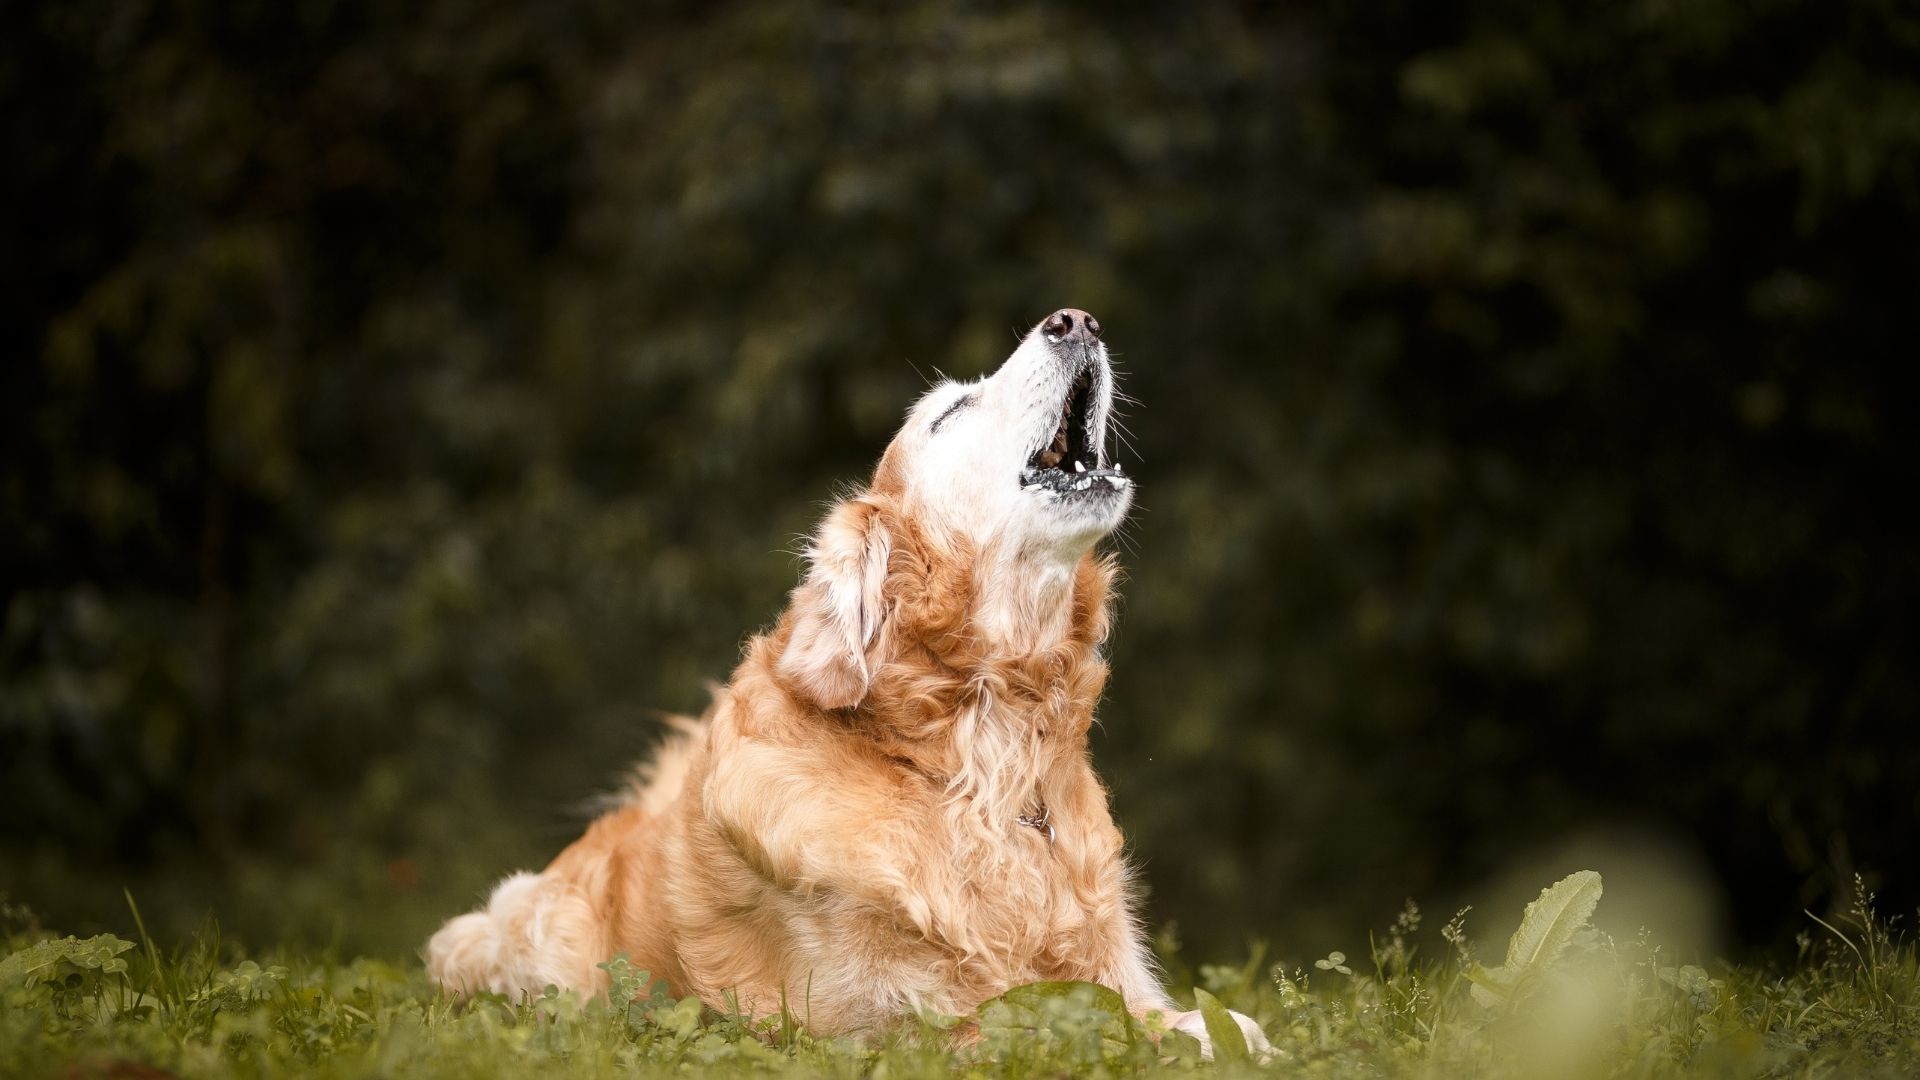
(891, 807)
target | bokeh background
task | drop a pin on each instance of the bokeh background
(403, 406)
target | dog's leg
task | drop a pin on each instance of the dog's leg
(1135, 979)
(1191, 1022)
(536, 931)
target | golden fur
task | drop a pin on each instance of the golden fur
(841, 831)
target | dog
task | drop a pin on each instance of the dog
(890, 809)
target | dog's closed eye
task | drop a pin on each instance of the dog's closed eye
(950, 410)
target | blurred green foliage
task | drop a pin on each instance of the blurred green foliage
(400, 407)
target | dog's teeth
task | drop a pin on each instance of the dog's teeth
(1116, 481)
(1117, 467)
(1079, 466)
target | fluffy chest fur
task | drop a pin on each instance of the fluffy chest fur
(888, 870)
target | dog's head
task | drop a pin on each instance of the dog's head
(1017, 460)
(992, 495)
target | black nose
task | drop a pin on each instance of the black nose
(1071, 324)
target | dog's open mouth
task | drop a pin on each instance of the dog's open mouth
(1072, 460)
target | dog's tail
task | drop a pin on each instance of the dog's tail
(537, 930)
(657, 781)
(552, 928)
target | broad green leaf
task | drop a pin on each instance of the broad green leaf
(1092, 1018)
(1546, 930)
(683, 1019)
(36, 961)
(1551, 921)
(1229, 1042)
(27, 965)
(1490, 985)
(1035, 995)
(1692, 980)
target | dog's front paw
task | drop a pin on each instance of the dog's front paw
(1191, 1022)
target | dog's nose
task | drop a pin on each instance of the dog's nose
(1071, 324)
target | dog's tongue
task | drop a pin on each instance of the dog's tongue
(1052, 456)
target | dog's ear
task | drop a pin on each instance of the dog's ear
(839, 611)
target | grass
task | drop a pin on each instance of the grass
(1568, 1002)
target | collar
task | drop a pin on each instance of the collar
(1043, 821)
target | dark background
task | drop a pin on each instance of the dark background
(400, 409)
